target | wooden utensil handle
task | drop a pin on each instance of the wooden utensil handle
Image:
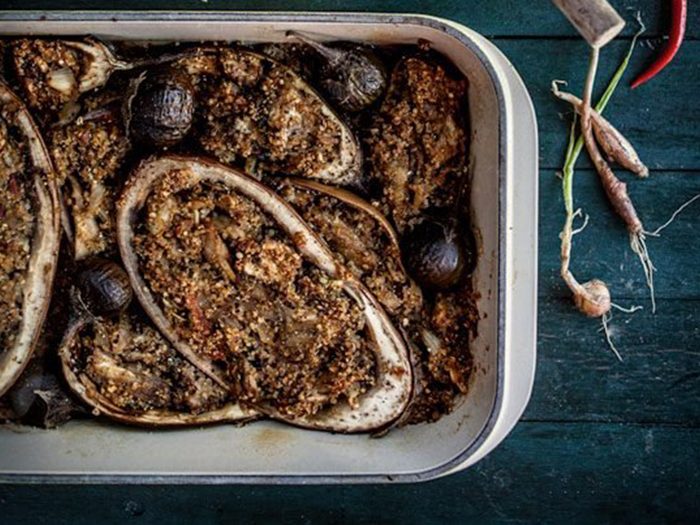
(596, 20)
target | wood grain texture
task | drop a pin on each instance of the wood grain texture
(602, 250)
(512, 18)
(543, 473)
(659, 118)
(596, 20)
(579, 379)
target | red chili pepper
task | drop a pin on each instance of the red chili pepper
(679, 10)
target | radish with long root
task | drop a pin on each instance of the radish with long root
(615, 189)
(592, 297)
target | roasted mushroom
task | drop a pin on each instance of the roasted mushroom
(29, 235)
(294, 333)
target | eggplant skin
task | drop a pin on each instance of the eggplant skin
(376, 409)
(44, 247)
(128, 393)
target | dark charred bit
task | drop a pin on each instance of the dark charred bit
(38, 399)
(159, 109)
(102, 288)
(354, 77)
(435, 253)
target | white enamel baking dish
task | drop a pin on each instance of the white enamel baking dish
(504, 203)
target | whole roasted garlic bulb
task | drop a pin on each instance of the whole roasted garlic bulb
(436, 253)
(354, 78)
(160, 108)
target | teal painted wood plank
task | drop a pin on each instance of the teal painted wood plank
(659, 118)
(602, 250)
(579, 379)
(543, 473)
(496, 17)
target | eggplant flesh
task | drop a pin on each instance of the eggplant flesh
(248, 293)
(251, 106)
(129, 372)
(54, 73)
(31, 222)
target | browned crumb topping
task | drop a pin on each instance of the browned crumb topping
(17, 223)
(235, 288)
(418, 141)
(254, 108)
(364, 247)
(88, 154)
(446, 366)
(227, 278)
(439, 328)
(48, 71)
(137, 370)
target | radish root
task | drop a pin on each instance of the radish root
(657, 231)
(615, 189)
(605, 319)
(593, 297)
(616, 147)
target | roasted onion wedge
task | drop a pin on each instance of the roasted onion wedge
(29, 235)
(247, 292)
(251, 106)
(128, 372)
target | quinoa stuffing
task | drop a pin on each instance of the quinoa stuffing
(418, 141)
(252, 107)
(89, 155)
(47, 70)
(17, 224)
(234, 287)
(289, 334)
(137, 370)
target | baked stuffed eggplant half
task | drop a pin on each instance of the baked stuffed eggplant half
(436, 326)
(249, 294)
(251, 107)
(29, 235)
(127, 371)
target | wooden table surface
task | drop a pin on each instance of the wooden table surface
(601, 441)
